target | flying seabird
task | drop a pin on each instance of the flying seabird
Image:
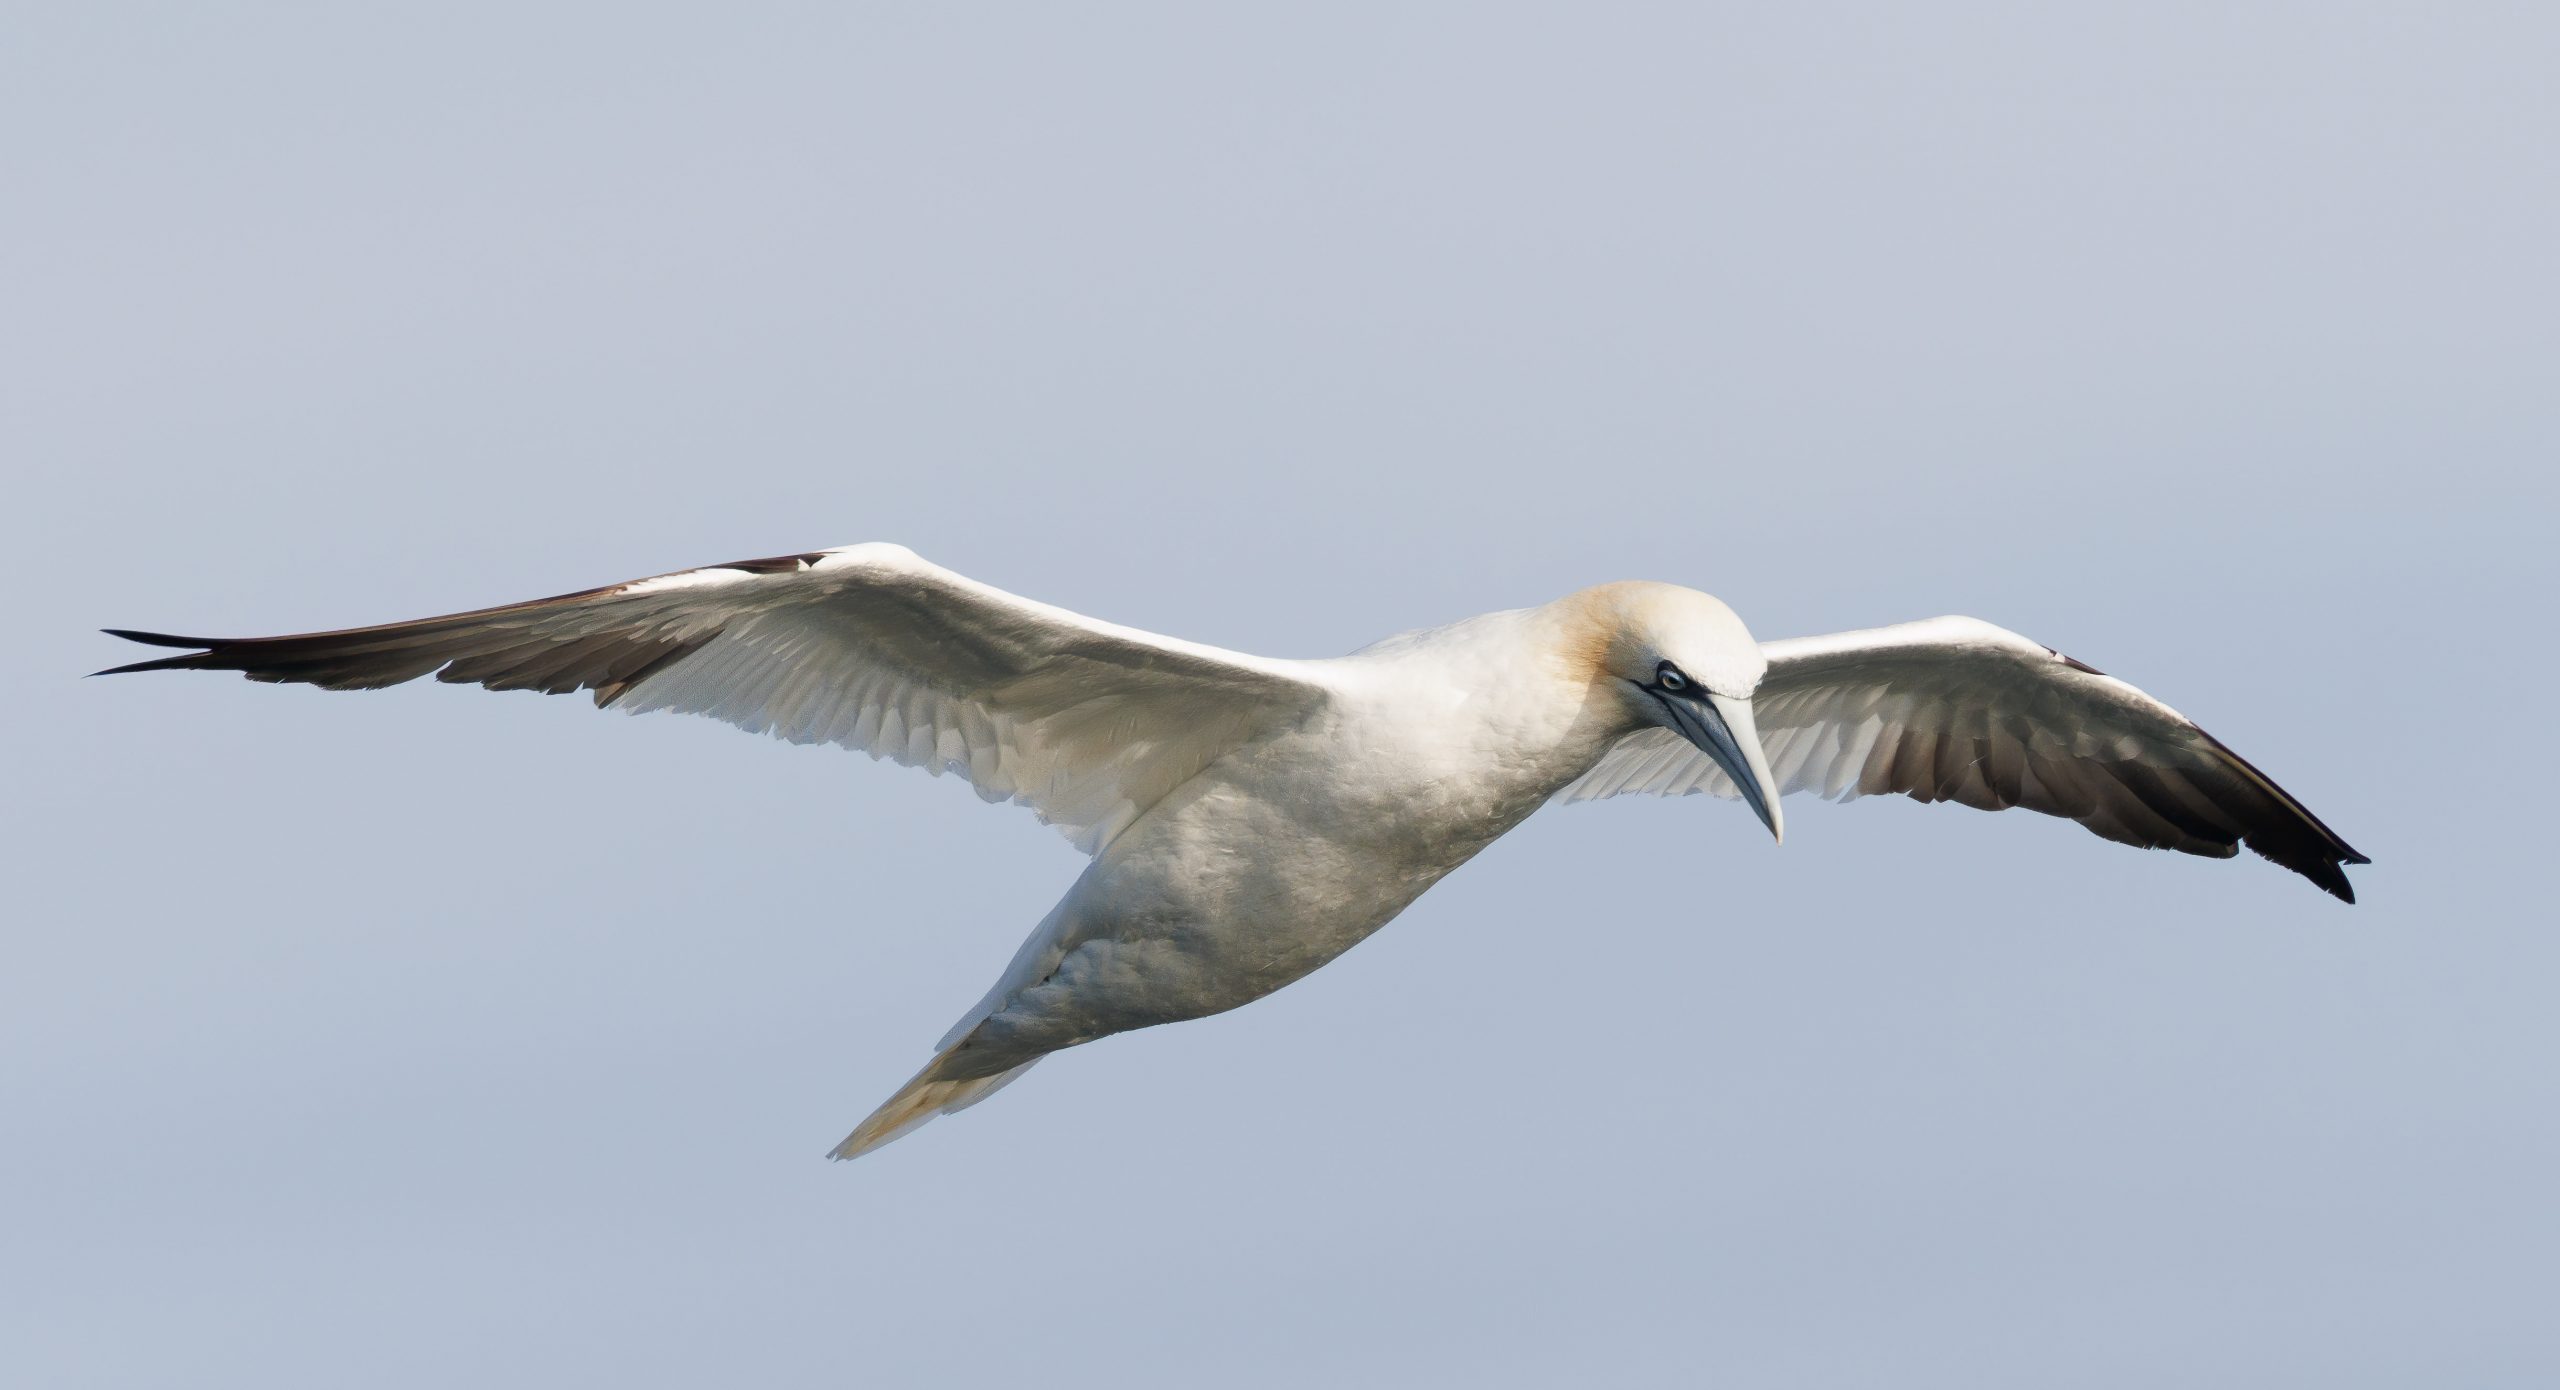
(1250, 819)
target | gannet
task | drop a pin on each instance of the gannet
(1249, 819)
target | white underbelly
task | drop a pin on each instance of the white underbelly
(1239, 883)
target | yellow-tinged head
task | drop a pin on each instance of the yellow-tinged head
(1679, 659)
(1628, 629)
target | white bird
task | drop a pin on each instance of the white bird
(1251, 819)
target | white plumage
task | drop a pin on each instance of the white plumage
(1250, 818)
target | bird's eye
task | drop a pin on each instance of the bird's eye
(1669, 677)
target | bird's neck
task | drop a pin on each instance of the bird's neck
(1517, 698)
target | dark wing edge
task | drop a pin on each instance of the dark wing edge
(2186, 790)
(2332, 852)
(501, 648)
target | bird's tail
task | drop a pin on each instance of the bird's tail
(918, 1101)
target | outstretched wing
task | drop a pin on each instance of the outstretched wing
(868, 646)
(1955, 709)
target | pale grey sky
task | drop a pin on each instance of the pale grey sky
(434, 1037)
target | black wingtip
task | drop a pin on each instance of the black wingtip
(155, 639)
(162, 664)
(2333, 878)
(2327, 870)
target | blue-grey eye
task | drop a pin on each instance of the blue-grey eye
(1669, 677)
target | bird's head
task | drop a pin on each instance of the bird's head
(1680, 659)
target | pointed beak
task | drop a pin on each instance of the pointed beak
(1724, 729)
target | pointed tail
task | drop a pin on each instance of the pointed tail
(918, 1101)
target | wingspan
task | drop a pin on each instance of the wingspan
(1956, 709)
(868, 646)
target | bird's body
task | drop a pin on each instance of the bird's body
(1251, 819)
(1292, 848)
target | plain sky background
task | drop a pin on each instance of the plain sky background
(431, 1037)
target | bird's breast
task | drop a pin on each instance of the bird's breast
(1403, 785)
(1284, 854)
